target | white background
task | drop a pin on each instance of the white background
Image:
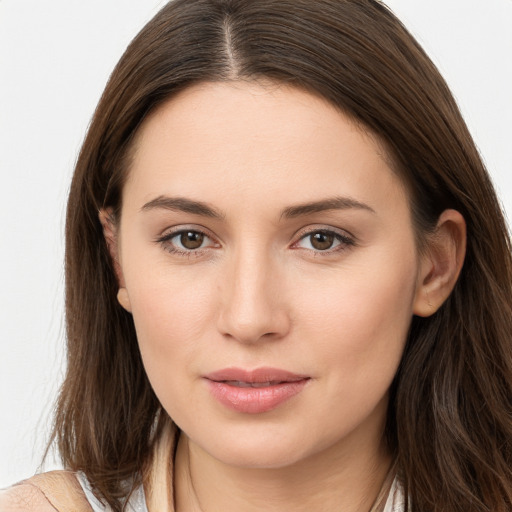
(55, 57)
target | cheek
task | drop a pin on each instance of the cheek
(172, 306)
(360, 316)
(171, 317)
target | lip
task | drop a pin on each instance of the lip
(254, 391)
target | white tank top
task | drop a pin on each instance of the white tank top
(136, 503)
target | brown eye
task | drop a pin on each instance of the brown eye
(191, 239)
(322, 241)
(187, 242)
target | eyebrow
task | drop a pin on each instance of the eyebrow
(182, 204)
(334, 203)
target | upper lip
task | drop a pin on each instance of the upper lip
(257, 375)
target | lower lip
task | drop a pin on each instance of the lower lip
(255, 400)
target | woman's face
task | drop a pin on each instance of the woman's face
(269, 261)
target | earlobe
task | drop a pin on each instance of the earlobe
(441, 263)
(124, 299)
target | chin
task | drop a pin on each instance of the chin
(266, 448)
(247, 457)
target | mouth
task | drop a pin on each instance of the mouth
(242, 384)
(259, 377)
(254, 391)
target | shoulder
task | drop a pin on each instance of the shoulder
(24, 498)
(54, 491)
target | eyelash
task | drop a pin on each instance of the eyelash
(165, 241)
(344, 241)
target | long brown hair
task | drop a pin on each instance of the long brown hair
(450, 413)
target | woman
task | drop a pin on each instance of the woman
(288, 278)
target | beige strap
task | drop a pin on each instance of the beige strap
(158, 481)
(62, 490)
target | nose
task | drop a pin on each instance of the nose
(252, 299)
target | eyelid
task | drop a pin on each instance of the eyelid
(345, 238)
(180, 228)
(169, 233)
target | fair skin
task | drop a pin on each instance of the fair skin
(261, 228)
(325, 292)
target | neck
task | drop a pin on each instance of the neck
(338, 479)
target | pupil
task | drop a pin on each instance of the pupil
(191, 240)
(322, 241)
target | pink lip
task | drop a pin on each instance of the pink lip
(227, 386)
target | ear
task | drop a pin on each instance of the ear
(441, 263)
(109, 225)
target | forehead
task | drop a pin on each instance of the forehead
(233, 139)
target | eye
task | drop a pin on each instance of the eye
(190, 240)
(324, 240)
(186, 241)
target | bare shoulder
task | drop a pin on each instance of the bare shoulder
(54, 491)
(24, 498)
